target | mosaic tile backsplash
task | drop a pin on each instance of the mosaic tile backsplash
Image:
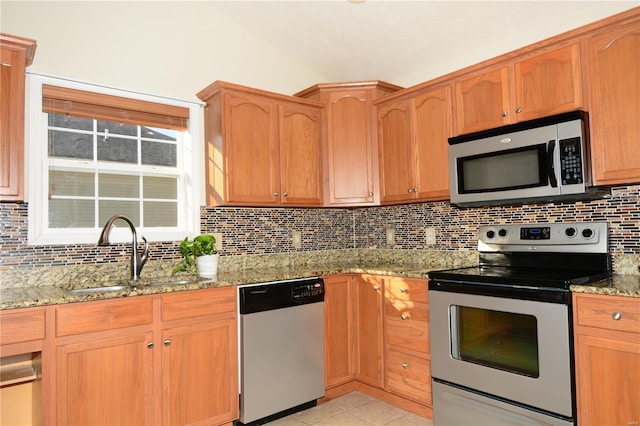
(269, 231)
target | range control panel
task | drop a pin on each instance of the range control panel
(576, 237)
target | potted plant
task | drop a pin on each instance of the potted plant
(200, 256)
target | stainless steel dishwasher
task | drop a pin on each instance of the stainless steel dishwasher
(281, 348)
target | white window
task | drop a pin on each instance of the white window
(95, 152)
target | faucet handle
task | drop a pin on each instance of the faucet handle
(144, 256)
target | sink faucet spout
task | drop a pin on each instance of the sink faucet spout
(137, 259)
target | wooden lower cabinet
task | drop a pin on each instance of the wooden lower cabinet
(607, 359)
(369, 337)
(165, 359)
(377, 339)
(406, 325)
(106, 380)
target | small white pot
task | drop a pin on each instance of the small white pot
(208, 265)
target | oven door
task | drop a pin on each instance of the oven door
(514, 349)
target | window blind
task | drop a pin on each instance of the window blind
(80, 103)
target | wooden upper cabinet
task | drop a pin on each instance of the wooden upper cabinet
(300, 155)
(536, 86)
(614, 84)
(413, 145)
(17, 54)
(350, 140)
(251, 137)
(396, 154)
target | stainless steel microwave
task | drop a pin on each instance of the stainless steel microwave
(544, 159)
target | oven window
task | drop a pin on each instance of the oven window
(502, 340)
(504, 170)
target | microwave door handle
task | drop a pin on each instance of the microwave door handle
(552, 171)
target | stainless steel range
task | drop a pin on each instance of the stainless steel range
(501, 333)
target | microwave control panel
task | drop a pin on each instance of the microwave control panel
(571, 161)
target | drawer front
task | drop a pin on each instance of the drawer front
(22, 325)
(89, 317)
(406, 289)
(409, 376)
(197, 303)
(407, 325)
(609, 312)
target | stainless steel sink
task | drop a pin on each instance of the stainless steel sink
(100, 289)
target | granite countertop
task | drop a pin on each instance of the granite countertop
(20, 288)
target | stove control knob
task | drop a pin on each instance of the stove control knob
(491, 234)
(587, 233)
(570, 232)
(502, 232)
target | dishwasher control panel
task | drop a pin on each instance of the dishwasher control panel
(280, 294)
(300, 291)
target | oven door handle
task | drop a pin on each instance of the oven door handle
(551, 147)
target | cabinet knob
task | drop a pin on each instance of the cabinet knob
(167, 342)
(376, 287)
(504, 113)
(518, 110)
(284, 194)
(616, 316)
(410, 190)
(404, 316)
(370, 193)
(150, 345)
(405, 365)
(403, 290)
(275, 194)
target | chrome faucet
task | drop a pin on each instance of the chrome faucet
(137, 260)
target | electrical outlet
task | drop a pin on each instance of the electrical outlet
(430, 235)
(297, 239)
(218, 237)
(391, 236)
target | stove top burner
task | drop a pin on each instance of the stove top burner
(521, 277)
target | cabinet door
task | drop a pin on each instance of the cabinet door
(12, 73)
(339, 330)
(397, 159)
(300, 155)
(369, 358)
(549, 83)
(106, 381)
(482, 101)
(251, 150)
(199, 373)
(608, 373)
(614, 82)
(432, 128)
(350, 150)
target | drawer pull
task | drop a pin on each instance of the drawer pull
(376, 287)
(403, 290)
(150, 345)
(404, 316)
(167, 342)
(405, 365)
(616, 316)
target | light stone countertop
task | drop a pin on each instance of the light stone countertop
(20, 288)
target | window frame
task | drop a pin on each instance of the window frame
(190, 181)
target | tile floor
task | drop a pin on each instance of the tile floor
(353, 409)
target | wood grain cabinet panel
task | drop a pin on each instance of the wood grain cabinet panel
(350, 142)
(262, 148)
(339, 330)
(16, 53)
(162, 359)
(614, 85)
(22, 325)
(413, 137)
(607, 360)
(369, 336)
(409, 375)
(535, 86)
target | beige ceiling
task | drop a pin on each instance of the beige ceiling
(407, 42)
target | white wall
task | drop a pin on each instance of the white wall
(172, 49)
